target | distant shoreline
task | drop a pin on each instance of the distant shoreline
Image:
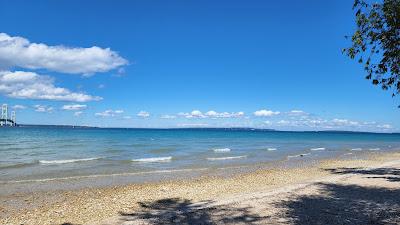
(200, 128)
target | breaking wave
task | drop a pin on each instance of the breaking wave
(62, 161)
(299, 155)
(227, 158)
(156, 159)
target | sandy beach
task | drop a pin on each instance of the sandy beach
(352, 191)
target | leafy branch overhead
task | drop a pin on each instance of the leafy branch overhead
(376, 42)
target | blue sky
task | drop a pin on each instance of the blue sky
(257, 64)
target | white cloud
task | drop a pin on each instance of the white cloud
(385, 126)
(127, 117)
(265, 113)
(109, 113)
(74, 107)
(101, 86)
(143, 114)
(43, 108)
(284, 122)
(297, 111)
(78, 113)
(17, 107)
(345, 122)
(106, 113)
(211, 114)
(168, 117)
(29, 85)
(197, 114)
(317, 123)
(19, 52)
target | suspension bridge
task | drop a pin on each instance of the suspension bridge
(5, 119)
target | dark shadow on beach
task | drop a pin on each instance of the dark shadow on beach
(183, 211)
(390, 174)
(345, 204)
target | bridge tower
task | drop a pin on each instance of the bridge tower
(4, 113)
(13, 118)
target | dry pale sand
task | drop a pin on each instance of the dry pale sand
(331, 192)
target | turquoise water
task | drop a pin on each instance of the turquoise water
(29, 153)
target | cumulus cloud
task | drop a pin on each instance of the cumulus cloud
(43, 108)
(19, 107)
(74, 107)
(265, 113)
(127, 117)
(193, 114)
(30, 85)
(109, 113)
(143, 114)
(211, 114)
(20, 52)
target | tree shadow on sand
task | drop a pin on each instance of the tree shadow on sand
(345, 204)
(183, 211)
(333, 204)
(390, 174)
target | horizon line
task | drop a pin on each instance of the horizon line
(177, 128)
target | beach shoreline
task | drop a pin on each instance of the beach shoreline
(96, 205)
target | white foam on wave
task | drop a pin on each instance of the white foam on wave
(271, 149)
(348, 153)
(317, 149)
(299, 155)
(374, 149)
(62, 161)
(156, 159)
(356, 149)
(227, 158)
(222, 150)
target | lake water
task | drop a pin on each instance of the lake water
(45, 153)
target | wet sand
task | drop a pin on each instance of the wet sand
(340, 191)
